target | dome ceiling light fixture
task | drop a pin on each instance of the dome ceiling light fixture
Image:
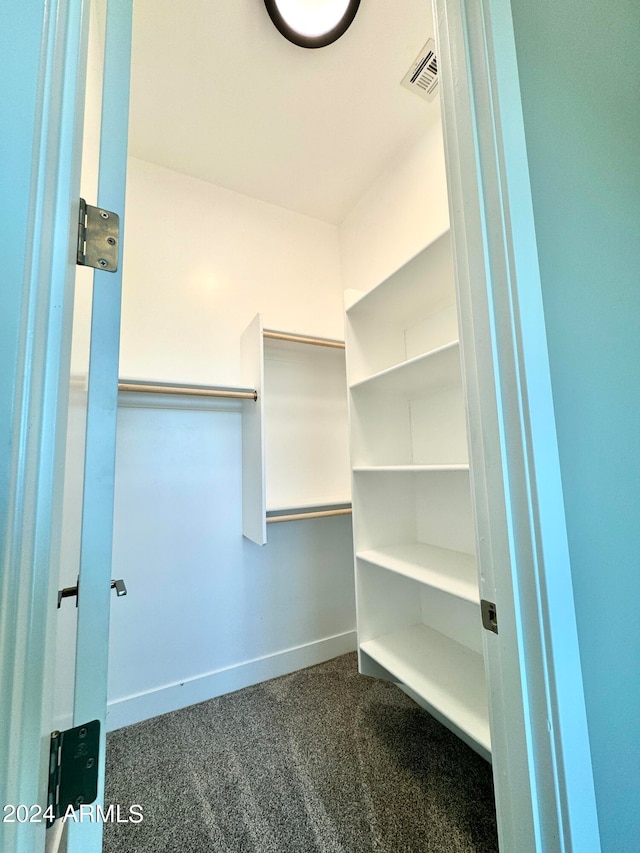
(312, 23)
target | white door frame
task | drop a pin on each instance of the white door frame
(43, 66)
(542, 762)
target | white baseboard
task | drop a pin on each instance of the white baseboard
(171, 697)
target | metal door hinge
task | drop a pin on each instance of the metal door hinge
(98, 237)
(73, 769)
(489, 615)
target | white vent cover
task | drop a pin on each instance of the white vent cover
(422, 77)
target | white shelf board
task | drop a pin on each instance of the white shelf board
(446, 675)
(438, 368)
(450, 571)
(413, 289)
(362, 469)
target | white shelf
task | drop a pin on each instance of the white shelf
(410, 313)
(418, 602)
(449, 571)
(417, 376)
(295, 451)
(402, 296)
(429, 506)
(446, 675)
(412, 469)
(412, 413)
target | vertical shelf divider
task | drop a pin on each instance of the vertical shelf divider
(254, 499)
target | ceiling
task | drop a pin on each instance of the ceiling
(217, 93)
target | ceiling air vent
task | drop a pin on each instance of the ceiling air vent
(422, 77)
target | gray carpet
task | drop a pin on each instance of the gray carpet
(321, 760)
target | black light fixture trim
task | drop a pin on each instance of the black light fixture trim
(312, 41)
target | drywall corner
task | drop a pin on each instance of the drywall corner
(401, 213)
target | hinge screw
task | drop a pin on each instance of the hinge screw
(90, 763)
(104, 214)
(102, 262)
(111, 241)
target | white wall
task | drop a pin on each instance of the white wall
(201, 261)
(403, 211)
(208, 611)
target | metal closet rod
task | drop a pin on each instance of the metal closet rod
(300, 516)
(187, 390)
(302, 339)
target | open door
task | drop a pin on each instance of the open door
(43, 57)
(111, 20)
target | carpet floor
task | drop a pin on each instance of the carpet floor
(321, 761)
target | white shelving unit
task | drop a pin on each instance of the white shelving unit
(419, 621)
(295, 449)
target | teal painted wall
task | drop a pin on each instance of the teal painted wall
(20, 38)
(579, 66)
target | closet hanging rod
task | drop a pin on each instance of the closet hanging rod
(187, 390)
(302, 339)
(301, 516)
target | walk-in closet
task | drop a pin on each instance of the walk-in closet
(292, 472)
(318, 417)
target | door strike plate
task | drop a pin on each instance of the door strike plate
(119, 587)
(489, 615)
(73, 768)
(72, 591)
(98, 237)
